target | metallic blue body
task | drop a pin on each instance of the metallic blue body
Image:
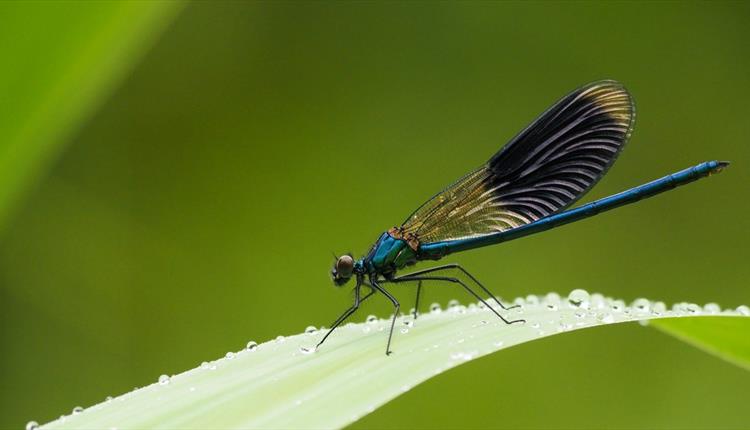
(437, 250)
(387, 256)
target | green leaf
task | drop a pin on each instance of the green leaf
(727, 338)
(285, 383)
(59, 61)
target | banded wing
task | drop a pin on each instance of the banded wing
(543, 170)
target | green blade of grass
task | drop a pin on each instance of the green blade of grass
(59, 61)
(285, 383)
(727, 338)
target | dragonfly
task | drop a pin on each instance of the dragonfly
(525, 188)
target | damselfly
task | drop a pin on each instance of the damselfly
(523, 189)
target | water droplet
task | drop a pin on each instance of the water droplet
(551, 306)
(473, 307)
(641, 305)
(229, 355)
(658, 309)
(712, 308)
(580, 314)
(552, 298)
(404, 330)
(32, 425)
(605, 317)
(535, 325)
(461, 356)
(307, 349)
(311, 329)
(743, 310)
(163, 379)
(371, 319)
(532, 299)
(204, 365)
(77, 410)
(579, 298)
(643, 322)
(435, 308)
(409, 323)
(405, 388)
(453, 305)
(618, 306)
(694, 309)
(280, 339)
(498, 343)
(252, 346)
(597, 301)
(365, 329)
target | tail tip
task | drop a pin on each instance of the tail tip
(720, 165)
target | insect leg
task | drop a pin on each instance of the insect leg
(396, 307)
(457, 266)
(416, 302)
(455, 281)
(345, 315)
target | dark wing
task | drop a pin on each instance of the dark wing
(543, 170)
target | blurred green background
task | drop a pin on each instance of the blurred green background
(197, 206)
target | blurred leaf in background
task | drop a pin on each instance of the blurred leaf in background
(59, 61)
(198, 207)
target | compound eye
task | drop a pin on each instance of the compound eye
(345, 266)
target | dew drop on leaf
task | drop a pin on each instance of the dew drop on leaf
(618, 306)
(658, 309)
(164, 380)
(712, 308)
(252, 346)
(579, 298)
(642, 305)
